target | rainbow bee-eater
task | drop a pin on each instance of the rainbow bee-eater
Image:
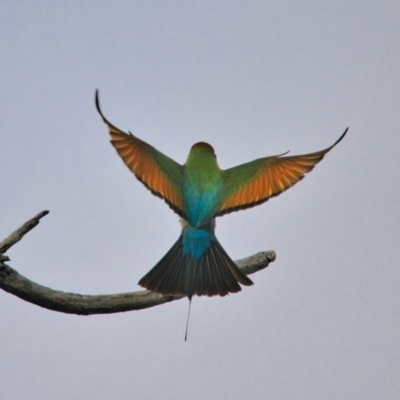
(199, 191)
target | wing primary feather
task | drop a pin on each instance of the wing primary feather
(159, 173)
(253, 183)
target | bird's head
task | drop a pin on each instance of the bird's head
(201, 153)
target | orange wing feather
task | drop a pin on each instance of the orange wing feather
(159, 173)
(254, 183)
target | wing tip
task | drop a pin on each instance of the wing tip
(97, 103)
(341, 137)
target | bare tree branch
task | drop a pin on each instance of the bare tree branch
(71, 303)
(17, 235)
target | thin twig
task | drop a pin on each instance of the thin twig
(18, 234)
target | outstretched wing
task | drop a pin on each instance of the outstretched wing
(159, 173)
(255, 182)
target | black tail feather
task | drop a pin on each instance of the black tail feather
(214, 273)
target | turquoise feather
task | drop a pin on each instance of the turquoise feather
(196, 241)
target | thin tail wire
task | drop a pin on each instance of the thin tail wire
(187, 321)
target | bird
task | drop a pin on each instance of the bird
(199, 191)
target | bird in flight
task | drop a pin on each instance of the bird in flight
(199, 191)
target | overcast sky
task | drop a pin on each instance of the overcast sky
(253, 78)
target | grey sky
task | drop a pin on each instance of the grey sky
(252, 78)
